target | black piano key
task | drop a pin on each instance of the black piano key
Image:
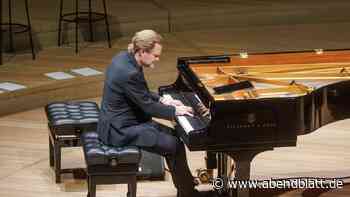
(198, 122)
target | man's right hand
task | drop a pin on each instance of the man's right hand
(167, 100)
(183, 110)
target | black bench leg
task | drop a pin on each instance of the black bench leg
(91, 187)
(132, 187)
(60, 24)
(57, 151)
(30, 30)
(51, 153)
(76, 25)
(10, 26)
(90, 22)
(107, 24)
(1, 33)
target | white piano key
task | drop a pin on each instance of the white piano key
(197, 97)
(185, 124)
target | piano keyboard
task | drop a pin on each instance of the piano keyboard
(190, 123)
(192, 100)
(185, 124)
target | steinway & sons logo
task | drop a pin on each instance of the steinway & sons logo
(250, 121)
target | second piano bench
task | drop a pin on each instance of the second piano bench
(66, 121)
(109, 165)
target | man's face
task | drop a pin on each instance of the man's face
(148, 58)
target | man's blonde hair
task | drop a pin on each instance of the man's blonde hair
(144, 40)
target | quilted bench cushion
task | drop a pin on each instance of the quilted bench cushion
(97, 153)
(72, 113)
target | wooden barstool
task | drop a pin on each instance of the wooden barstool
(12, 26)
(78, 16)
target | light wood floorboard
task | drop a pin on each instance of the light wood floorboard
(24, 168)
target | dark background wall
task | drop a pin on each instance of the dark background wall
(128, 16)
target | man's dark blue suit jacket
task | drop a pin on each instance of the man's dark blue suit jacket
(128, 105)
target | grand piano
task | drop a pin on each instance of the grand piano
(245, 104)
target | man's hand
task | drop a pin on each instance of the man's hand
(176, 103)
(167, 100)
(183, 110)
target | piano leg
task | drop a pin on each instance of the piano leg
(222, 165)
(242, 163)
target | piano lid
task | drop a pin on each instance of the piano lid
(273, 75)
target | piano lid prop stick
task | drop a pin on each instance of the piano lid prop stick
(233, 87)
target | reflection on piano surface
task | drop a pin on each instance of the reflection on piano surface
(265, 101)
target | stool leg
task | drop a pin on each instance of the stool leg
(76, 25)
(90, 22)
(51, 153)
(92, 187)
(57, 150)
(60, 24)
(132, 187)
(107, 24)
(10, 26)
(88, 184)
(29, 29)
(1, 33)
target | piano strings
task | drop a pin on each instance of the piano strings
(287, 81)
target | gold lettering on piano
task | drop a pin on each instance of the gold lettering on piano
(252, 125)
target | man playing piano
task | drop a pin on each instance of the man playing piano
(128, 106)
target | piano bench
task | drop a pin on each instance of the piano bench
(66, 121)
(109, 165)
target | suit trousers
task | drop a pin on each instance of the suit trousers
(173, 149)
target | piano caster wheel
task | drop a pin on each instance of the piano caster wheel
(196, 181)
(204, 175)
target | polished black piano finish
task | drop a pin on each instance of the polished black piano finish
(264, 122)
(309, 89)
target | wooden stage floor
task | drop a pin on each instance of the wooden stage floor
(25, 170)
